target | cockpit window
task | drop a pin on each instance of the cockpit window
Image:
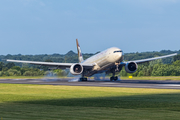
(117, 51)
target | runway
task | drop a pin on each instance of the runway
(158, 84)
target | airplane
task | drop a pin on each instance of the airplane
(109, 61)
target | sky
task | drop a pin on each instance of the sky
(52, 26)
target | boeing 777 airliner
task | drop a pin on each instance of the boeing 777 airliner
(109, 61)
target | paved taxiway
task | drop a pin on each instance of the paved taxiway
(166, 84)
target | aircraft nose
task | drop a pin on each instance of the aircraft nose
(117, 56)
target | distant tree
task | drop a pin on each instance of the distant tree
(23, 70)
(14, 72)
(28, 73)
(177, 57)
(10, 65)
(48, 60)
(4, 69)
(16, 68)
(176, 63)
(70, 53)
(1, 65)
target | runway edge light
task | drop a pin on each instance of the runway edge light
(130, 76)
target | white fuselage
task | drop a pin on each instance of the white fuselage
(104, 60)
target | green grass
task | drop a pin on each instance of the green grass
(42, 102)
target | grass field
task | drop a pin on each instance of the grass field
(49, 102)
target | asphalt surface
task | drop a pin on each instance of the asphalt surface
(158, 84)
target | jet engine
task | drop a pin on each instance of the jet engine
(76, 69)
(131, 67)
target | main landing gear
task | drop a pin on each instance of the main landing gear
(114, 78)
(83, 79)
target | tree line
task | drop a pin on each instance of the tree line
(9, 69)
(164, 67)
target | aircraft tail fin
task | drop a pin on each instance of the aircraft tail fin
(79, 52)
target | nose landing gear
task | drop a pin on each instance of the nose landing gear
(118, 68)
(114, 77)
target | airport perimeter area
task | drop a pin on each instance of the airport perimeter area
(33, 99)
(130, 83)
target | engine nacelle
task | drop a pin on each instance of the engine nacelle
(131, 67)
(76, 69)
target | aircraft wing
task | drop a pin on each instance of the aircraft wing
(149, 59)
(52, 64)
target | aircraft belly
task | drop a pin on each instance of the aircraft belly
(105, 67)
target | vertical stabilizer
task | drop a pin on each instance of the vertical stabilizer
(79, 52)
